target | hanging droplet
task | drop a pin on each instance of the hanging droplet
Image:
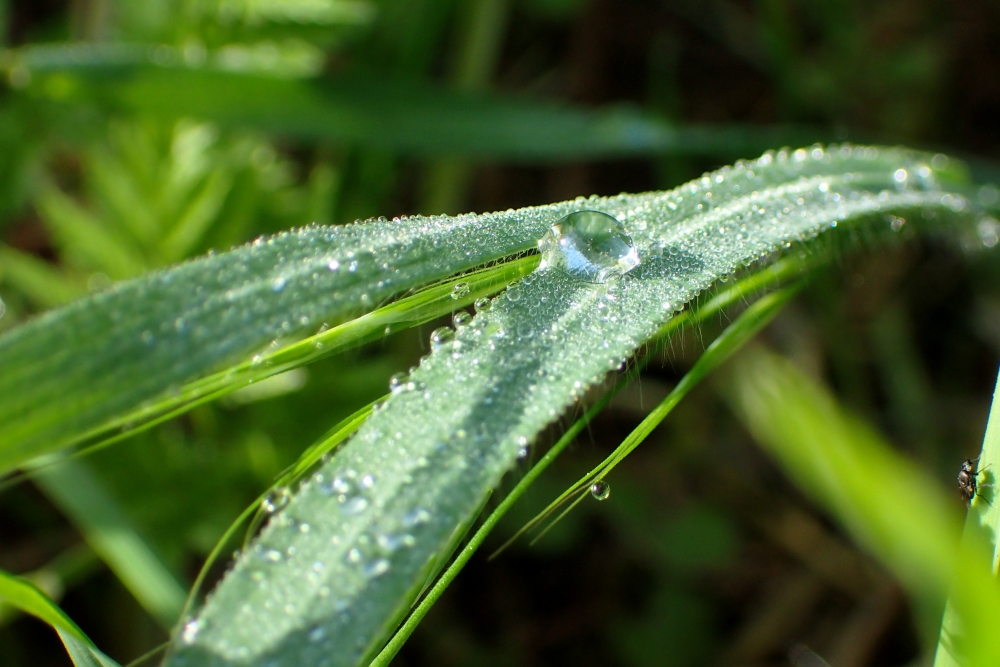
(590, 246)
(600, 489)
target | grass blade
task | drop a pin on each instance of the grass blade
(75, 490)
(29, 599)
(981, 526)
(407, 117)
(883, 500)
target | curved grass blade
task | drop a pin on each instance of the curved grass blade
(882, 499)
(78, 368)
(29, 599)
(330, 576)
(981, 526)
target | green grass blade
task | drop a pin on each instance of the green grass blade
(884, 501)
(84, 655)
(981, 526)
(75, 490)
(426, 305)
(380, 512)
(29, 599)
(363, 108)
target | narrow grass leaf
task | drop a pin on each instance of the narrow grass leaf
(81, 496)
(982, 525)
(29, 599)
(364, 108)
(887, 503)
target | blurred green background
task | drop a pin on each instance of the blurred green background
(135, 134)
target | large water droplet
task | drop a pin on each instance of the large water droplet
(600, 489)
(589, 245)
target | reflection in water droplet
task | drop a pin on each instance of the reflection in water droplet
(589, 245)
(460, 319)
(441, 337)
(483, 304)
(459, 290)
(600, 489)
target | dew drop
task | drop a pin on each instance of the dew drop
(278, 284)
(377, 568)
(442, 336)
(483, 304)
(190, 631)
(276, 498)
(397, 383)
(460, 319)
(600, 490)
(459, 290)
(590, 246)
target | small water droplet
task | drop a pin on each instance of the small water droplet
(397, 383)
(442, 336)
(459, 290)
(590, 246)
(377, 568)
(600, 490)
(278, 284)
(3, 308)
(317, 633)
(483, 304)
(190, 631)
(275, 499)
(460, 319)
